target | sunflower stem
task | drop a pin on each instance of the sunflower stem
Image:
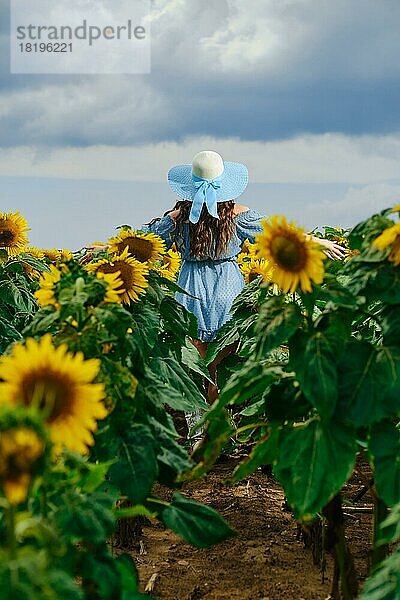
(12, 540)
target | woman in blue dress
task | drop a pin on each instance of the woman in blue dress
(209, 229)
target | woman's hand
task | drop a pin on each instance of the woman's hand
(333, 250)
(97, 247)
(91, 251)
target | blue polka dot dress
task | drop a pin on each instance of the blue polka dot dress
(213, 284)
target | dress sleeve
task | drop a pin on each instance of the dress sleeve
(162, 227)
(248, 225)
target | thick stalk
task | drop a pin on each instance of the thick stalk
(336, 543)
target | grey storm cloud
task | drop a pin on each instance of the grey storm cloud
(250, 69)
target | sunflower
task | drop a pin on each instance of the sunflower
(350, 254)
(171, 262)
(52, 254)
(390, 237)
(145, 247)
(66, 255)
(247, 252)
(33, 251)
(59, 385)
(36, 253)
(13, 232)
(22, 454)
(132, 274)
(341, 240)
(114, 285)
(45, 295)
(251, 269)
(296, 260)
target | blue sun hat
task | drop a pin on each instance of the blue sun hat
(207, 181)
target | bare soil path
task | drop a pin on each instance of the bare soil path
(266, 561)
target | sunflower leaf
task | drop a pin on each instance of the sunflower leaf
(305, 467)
(137, 467)
(384, 446)
(196, 523)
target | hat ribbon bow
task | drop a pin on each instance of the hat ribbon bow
(205, 194)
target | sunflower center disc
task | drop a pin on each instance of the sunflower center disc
(140, 248)
(127, 274)
(6, 237)
(289, 254)
(50, 393)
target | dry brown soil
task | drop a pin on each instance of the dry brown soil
(266, 561)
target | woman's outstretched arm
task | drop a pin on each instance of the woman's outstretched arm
(333, 250)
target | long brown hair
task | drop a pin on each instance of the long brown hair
(210, 237)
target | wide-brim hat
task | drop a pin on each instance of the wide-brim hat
(233, 177)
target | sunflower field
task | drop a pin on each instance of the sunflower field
(315, 382)
(95, 359)
(97, 366)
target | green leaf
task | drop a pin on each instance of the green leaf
(15, 296)
(187, 396)
(336, 294)
(227, 335)
(173, 286)
(250, 296)
(253, 379)
(313, 358)
(390, 527)
(363, 233)
(33, 262)
(100, 575)
(384, 447)
(171, 455)
(277, 322)
(368, 383)
(136, 469)
(43, 320)
(95, 475)
(254, 408)
(133, 511)
(8, 333)
(146, 325)
(114, 318)
(315, 460)
(386, 285)
(31, 576)
(129, 579)
(178, 320)
(389, 320)
(192, 359)
(384, 584)
(285, 401)
(85, 517)
(196, 523)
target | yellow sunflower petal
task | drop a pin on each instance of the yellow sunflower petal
(131, 272)
(295, 260)
(13, 232)
(58, 383)
(144, 247)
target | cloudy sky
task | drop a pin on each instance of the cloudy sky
(305, 92)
